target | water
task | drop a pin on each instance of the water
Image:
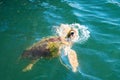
(23, 22)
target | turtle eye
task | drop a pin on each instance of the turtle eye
(72, 33)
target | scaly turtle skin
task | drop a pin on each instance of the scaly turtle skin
(47, 47)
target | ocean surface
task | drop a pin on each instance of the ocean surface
(24, 22)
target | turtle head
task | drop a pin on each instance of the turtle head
(72, 35)
(68, 32)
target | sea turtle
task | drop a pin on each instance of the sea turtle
(50, 47)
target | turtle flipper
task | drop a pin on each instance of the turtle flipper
(68, 58)
(29, 66)
(72, 56)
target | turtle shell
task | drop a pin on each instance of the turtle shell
(47, 47)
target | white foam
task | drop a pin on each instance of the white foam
(83, 32)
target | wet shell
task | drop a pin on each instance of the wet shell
(47, 47)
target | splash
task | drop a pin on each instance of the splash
(64, 60)
(83, 33)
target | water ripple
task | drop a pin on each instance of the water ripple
(115, 2)
(3, 26)
(47, 5)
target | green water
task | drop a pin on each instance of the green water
(23, 22)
